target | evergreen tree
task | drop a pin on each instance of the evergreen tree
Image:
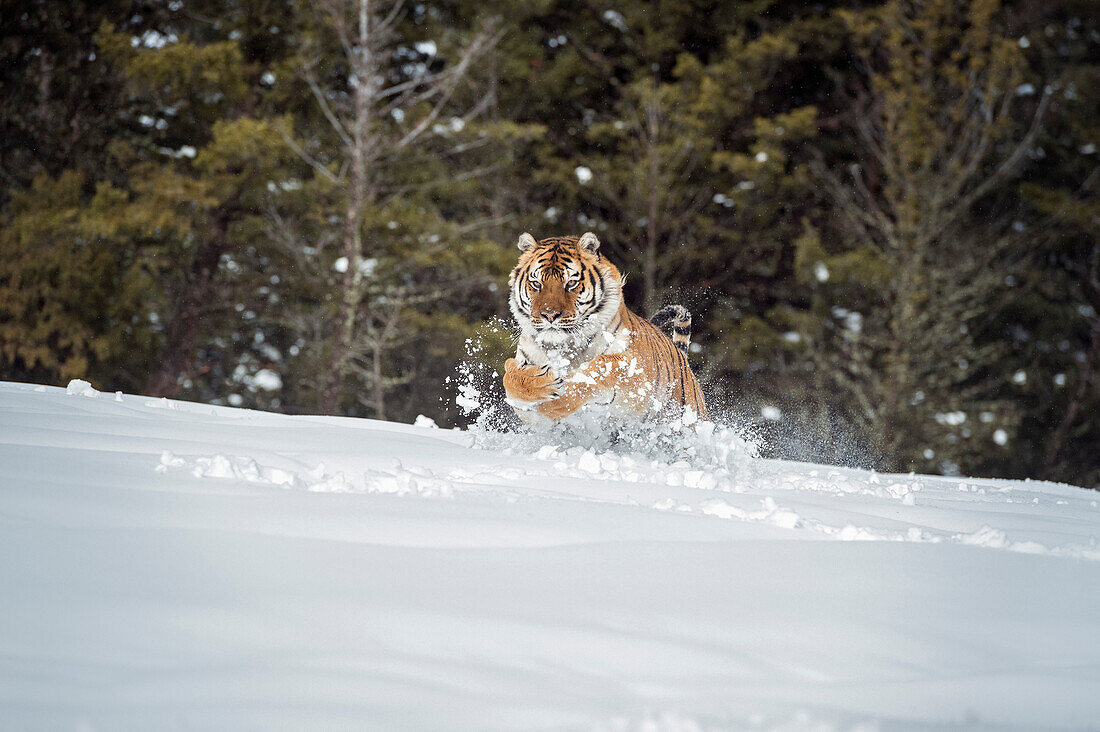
(204, 167)
(1055, 333)
(939, 126)
(74, 304)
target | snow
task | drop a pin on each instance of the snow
(268, 380)
(199, 567)
(615, 19)
(770, 413)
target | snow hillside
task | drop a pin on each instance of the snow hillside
(166, 565)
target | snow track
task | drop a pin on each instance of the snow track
(167, 565)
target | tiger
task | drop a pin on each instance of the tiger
(580, 345)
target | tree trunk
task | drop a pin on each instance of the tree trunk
(1058, 439)
(360, 193)
(379, 390)
(346, 306)
(179, 350)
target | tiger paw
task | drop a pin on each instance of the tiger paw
(560, 408)
(527, 386)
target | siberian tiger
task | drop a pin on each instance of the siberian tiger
(580, 345)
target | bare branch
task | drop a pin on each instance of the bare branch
(337, 126)
(313, 162)
(1008, 165)
(485, 40)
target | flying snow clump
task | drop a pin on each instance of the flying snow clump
(584, 175)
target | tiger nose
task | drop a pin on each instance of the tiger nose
(551, 313)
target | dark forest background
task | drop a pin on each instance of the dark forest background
(884, 215)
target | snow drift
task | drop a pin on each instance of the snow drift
(167, 565)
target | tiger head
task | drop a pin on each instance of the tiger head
(563, 291)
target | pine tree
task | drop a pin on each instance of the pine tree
(73, 303)
(1055, 337)
(939, 129)
(61, 99)
(203, 167)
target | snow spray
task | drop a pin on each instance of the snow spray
(727, 448)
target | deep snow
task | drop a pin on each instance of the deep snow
(166, 565)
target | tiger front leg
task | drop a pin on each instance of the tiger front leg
(528, 386)
(603, 376)
(566, 404)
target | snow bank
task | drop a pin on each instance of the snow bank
(168, 565)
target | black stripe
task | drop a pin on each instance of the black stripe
(667, 356)
(682, 331)
(681, 384)
(673, 367)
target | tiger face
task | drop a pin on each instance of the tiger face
(562, 291)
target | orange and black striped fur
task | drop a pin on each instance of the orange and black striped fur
(579, 345)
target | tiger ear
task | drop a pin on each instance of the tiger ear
(589, 242)
(526, 241)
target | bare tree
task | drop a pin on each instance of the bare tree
(378, 116)
(938, 130)
(646, 186)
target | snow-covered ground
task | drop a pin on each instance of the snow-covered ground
(166, 565)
